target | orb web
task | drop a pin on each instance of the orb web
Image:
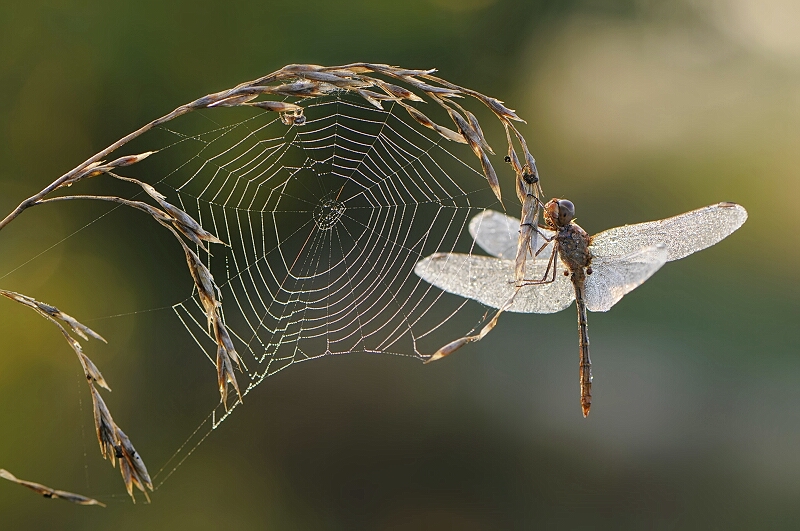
(324, 223)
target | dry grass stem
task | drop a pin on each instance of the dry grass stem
(377, 84)
(210, 295)
(54, 315)
(113, 442)
(527, 243)
(51, 312)
(181, 223)
(47, 492)
(460, 342)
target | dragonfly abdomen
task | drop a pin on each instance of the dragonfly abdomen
(585, 365)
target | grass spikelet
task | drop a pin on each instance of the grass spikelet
(48, 492)
(375, 84)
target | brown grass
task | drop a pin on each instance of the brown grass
(376, 84)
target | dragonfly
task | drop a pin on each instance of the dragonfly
(594, 271)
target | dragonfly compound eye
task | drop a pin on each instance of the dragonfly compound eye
(566, 211)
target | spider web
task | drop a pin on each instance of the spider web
(324, 223)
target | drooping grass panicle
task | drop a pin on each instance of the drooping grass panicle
(378, 85)
(113, 442)
(48, 492)
(180, 223)
(115, 445)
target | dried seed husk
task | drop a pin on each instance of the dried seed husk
(460, 342)
(225, 354)
(92, 372)
(345, 72)
(491, 176)
(115, 445)
(129, 160)
(465, 129)
(449, 134)
(82, 330)
(302, 68)
(233, 101)
(134, 460)
(48, 310)
(277, 106)
(398, 92)
(105, 427)
(392, 71)
(372, 99)
(204, 281)
(48, 492)
(53, 314)
(225, 375)
(190, 228)
(303, 89)
(223, 338)
(335, 80)
(476, 126)
(182, 221)
(441, 91)
(501, 110)
(527, 234)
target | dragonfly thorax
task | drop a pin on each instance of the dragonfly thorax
(572, 241)
(573, 247)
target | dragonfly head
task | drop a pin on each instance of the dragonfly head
(559, 212)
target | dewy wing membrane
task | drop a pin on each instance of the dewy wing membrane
(595, 271)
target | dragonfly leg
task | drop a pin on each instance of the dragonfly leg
(550, 271)
(545, 238)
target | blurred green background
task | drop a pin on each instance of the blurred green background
(636, 110)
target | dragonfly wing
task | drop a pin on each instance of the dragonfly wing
(683, 234)
(498, 234)
(613, 277)
(490, 281)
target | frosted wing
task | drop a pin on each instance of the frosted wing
(490, 281)
(613, 277)
(498, 234)
(683, 234)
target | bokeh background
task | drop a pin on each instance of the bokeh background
(636, 110)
